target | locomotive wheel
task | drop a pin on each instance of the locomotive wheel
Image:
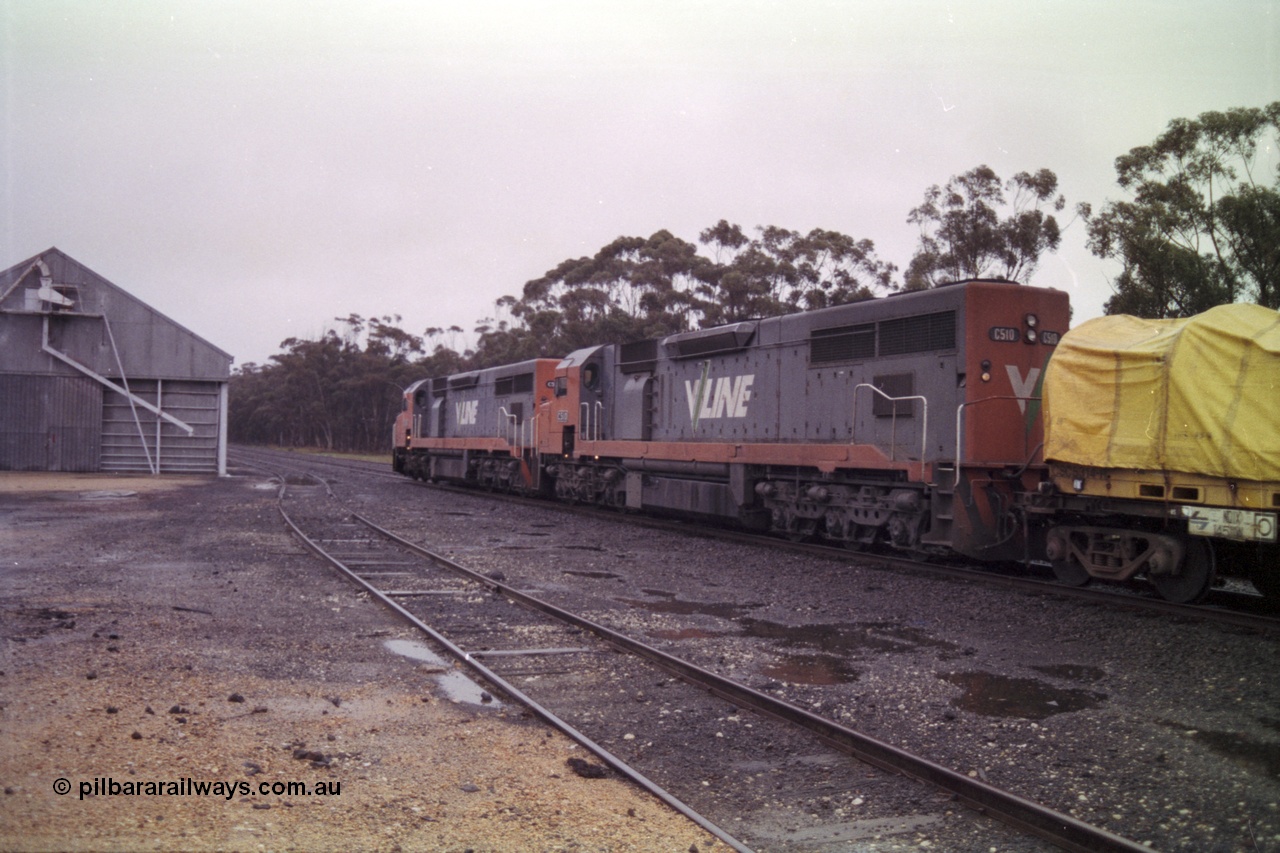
(1070, 573)
(1193, 579)
(803, 530)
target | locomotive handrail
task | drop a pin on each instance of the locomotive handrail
(511, 428)
(590, 429)
(893, 431)
(960, 424)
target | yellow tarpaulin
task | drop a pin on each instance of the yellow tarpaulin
(1199, 395)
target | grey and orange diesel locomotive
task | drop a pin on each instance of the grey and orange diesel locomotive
(911, 422)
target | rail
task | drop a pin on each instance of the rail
(1062, 830)
(471, 661)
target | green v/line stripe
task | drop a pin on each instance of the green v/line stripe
(702, 390)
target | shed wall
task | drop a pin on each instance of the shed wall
(49, 423)
(133, 439)
(58, 361)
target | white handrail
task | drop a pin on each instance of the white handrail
(960, 423)
(893, 432)
(590, 430)
(509, 428)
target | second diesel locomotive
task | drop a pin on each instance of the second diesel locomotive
(912, 421)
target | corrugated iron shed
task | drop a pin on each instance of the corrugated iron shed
(94, 379)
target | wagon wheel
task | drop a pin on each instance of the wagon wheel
(1070, 573)
(1194, 576)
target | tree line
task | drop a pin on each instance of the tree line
(1199, 226)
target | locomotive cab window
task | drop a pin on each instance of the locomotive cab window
(562, 386)
(590, 376)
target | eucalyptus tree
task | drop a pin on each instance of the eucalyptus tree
(963, 234)
(1201, 224)
(783, 271)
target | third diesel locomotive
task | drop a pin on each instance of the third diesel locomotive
(913, 421)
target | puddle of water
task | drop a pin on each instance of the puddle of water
(107, 495)
(1241, 748)
(456, 685)
(416, 651)
(846, 639)
(842, 639)
(812, 669)
(659, 593)
(994, 695)
(1072, 672)
(689, 608)
(596, 575)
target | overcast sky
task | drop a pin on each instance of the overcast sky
(255, 169)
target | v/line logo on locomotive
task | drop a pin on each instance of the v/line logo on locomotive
(1022, 388)
(466, 411)
(719, 397)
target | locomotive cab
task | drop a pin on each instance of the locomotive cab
(576, 411)
(414, 406)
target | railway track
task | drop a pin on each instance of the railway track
(1230, 607)
(556, 657)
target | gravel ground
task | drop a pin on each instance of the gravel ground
(1162, 730)
(156, 630)
(123, 601)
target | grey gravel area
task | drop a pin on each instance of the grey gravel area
(1162, 730)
